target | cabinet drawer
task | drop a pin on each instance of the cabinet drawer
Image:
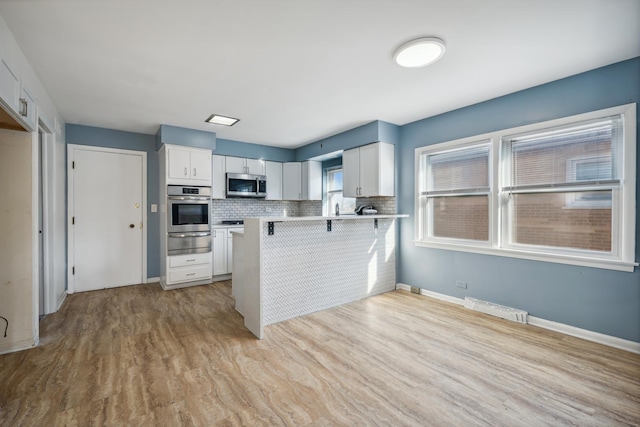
(191, 259)
(188, 274)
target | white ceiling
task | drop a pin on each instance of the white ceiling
(295, 71)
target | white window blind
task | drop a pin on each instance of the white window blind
(587, 154)
(458, 172)
(455, 194)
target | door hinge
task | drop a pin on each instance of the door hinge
(73, 165)
(73, 220)
(73, 270)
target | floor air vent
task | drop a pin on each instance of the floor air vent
(496, 310)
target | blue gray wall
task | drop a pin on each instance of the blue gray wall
(599, 300)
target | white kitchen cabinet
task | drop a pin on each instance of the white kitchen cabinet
(368, 171)
(9, 85)
(188, 268)
(311, 180)
(242, 165)
(302, 180)
(291, 181)
(187, 166)
(274, 180)
(222, 243)
(218, 178)
(17, 96)
(219, 242)
(230, 248)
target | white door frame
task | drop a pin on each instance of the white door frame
(71, 148)
(47, 146)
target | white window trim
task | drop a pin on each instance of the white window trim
(623, 258)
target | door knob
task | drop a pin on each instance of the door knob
(131, 226)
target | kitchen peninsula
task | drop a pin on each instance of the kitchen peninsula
(294, 266)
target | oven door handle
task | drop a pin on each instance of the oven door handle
(180, 235)
(200, 199)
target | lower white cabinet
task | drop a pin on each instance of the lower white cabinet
(188, 268)
(222, 243)
(219, 247)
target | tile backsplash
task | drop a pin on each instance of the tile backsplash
(233, 209)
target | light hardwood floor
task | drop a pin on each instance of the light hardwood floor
(142, 356)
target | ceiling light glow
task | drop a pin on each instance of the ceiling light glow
(419, 52)
(217, 119)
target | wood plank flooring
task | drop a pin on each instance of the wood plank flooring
(143, 356)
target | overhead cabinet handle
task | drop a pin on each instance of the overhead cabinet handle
(24, 107)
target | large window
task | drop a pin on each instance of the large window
(333, 196)
(560, 191)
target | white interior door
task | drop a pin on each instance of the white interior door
(107, 209)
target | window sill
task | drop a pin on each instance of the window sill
(608, 264)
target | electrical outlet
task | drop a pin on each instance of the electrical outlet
(461, 284)
(415, 290)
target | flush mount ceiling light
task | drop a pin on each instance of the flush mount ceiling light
(419, 52)
(217, 119)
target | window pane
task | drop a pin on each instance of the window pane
(334, 180)
(458, 170)
(461, 217)
(347, 204)
(581, 153)
(543, 219)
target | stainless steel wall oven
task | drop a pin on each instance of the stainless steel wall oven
(188, 219)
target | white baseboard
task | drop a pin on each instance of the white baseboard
(152, 279)
(61, 300)
(18, 346)
(585, 334)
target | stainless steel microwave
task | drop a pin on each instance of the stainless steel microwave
(245, 185)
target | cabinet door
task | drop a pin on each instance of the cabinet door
(255, 166)
(201, 166)
(230, 248)
(9, 85)
(369, 170)
(274, 180)
(218, 177)
(235, 165)
(219, 248)
(311, 180)
(179, 163)
(351, 173)
(291, 181)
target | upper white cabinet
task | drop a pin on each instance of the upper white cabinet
(302, 180)
(274, 180)
(19, 100)
(291, 181)
(187, 166)
(311, 180)
(369, 170)
(9, 85)
(218, 179)
(242, 165)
